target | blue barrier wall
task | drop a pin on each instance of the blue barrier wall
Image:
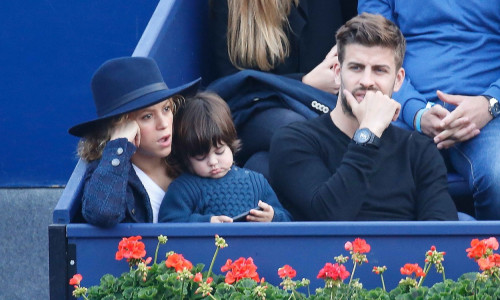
(306, 246)
(49, 51)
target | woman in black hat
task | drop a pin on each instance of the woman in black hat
(126, 145)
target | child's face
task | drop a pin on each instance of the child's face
(214, 164)
(155, 124)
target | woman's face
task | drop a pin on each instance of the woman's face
(155, 123)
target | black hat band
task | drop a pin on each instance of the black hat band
(132, 96)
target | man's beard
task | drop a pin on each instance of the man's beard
(346, 108)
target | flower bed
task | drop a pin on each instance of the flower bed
(177, 278)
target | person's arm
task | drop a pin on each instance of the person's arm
(494, 90)
(180, 202)
(306, 185)
(381, 7)
(411, 103)
(411, 100)
(433, 199)
(104, 199)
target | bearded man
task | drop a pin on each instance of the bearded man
(352, 164)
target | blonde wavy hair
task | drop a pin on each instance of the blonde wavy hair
(256, 36)
(91, 146)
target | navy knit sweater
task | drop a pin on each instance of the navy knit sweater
(191, 198)
(320, 174)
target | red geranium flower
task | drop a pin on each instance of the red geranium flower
(491, 261)
(75, 280)
(287, 271)
(360, 246)
(491, 243)
(239, 269)
(333, 271)
(348, 246)
(198, 277)
(485, 264)
(409, 269)
(481, 248)
(131, 248)
(178, 262)
(477, 249)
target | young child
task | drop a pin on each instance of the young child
(212, 189)
(126, 145)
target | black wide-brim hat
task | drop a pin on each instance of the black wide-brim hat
(126, 84)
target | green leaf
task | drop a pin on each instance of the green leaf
(129, 293)
(245, 283)
(147, 293)
(224, 291)
(376, 294)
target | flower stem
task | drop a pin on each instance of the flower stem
(427, 267)
(352, 274)
(475, 289)
(156, 252)
(444, 277)
(213, 261)
(383, 283)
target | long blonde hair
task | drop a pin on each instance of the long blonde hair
(256, 36)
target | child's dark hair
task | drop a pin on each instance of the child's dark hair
(202, 122)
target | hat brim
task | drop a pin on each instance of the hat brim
(185, 90)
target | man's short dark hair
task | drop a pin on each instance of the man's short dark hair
(371, 30)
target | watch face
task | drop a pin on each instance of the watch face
(495, 108)
(362, 136)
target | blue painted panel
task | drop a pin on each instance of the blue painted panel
(306, 246)
(177, 38)
(48, 53)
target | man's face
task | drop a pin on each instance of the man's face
(367, 68)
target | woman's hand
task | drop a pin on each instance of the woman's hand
(128, 129)
(322, 76)
(264, 215)
(221, 219)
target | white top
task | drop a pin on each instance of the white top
(155, 192)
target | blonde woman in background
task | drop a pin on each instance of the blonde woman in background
(291, 38)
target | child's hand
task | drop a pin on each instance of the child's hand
(264, 215)
(221, 219)
(128, 129)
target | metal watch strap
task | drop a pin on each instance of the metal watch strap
(493, 106)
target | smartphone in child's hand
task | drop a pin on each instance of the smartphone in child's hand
(243, 217)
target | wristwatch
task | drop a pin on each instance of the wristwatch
(365, 137)
(494, 107)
